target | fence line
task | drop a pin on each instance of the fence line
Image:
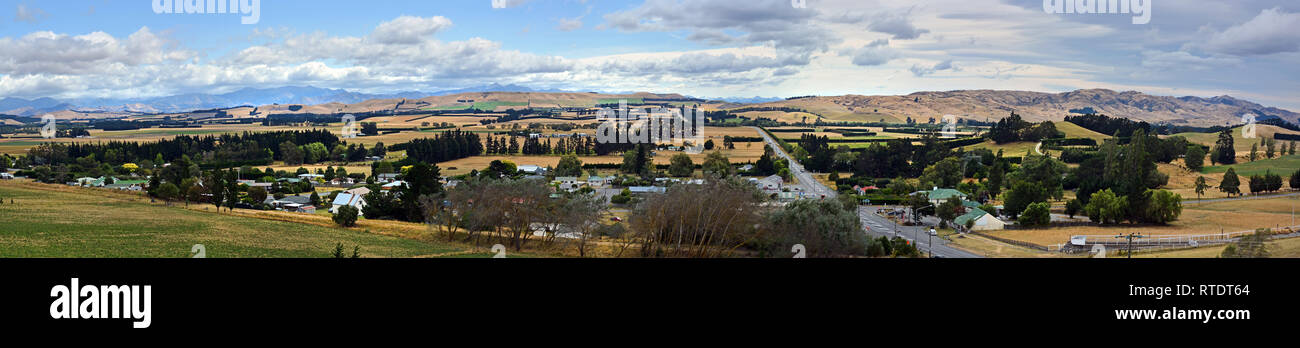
(1162, 242)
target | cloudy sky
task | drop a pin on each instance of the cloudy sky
(708, 48)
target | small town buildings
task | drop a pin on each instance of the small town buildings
(393, 185)
(354, 198)
(386, 178)
(299, 208)
(646, 189)
(597, 182)
(283, 203)
(568, 183)
(531, 169)
(769, 184)
(938, 195)
(983, 221)
(128, 185)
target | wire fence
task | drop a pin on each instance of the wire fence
(1085, 243)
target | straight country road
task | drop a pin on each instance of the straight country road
(875, 225)
(807, 184)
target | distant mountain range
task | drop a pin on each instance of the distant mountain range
(247, 96)
(991, 105)
(979, 105)
(751, 100)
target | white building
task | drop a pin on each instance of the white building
(355, 198)
(983, 221)
(568, 183)
(531, 169)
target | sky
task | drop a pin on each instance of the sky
(705, 48)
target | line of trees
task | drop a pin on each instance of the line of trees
(1125, 179)
(1120, 127)
(1013, 129)
(444, 147)
(223, 150)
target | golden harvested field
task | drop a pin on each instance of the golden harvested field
(991, 248)
(1075, 131)
(419, 120)
(1017, 149)
(1183, 182)
(781, 116)
(20, 145)
(1210, 218)
(719, 132)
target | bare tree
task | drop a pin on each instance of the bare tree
(708, 220)
(580, 215)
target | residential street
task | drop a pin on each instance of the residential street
(875, 225)
(878, 225)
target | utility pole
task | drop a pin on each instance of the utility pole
(1130, 238)
(930, 240)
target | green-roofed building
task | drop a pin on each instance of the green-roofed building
(983, 220)
(938, 195)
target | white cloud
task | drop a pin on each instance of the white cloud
(45, 52)
(569, 24)
(408, 29)
(756, 22)
(872, 54)
(1272, 31)
(30, 15)
(920, 70)
(898, 25)
(1181, 60)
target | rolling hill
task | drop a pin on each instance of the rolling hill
(990, 105)
(976, 105)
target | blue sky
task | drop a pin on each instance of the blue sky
(710, 48)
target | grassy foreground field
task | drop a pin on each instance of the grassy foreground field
(1197, 218)
(56, 221)
(1283, 248)
(1284, 166)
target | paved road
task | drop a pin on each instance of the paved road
(807, 183)
(877, 226)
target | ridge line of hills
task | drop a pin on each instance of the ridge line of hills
(979, 105)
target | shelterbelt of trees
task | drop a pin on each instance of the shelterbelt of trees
(1121, 172)
(226, 150)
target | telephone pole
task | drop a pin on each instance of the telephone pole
(1130, 238)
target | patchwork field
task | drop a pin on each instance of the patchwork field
(20, 145)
